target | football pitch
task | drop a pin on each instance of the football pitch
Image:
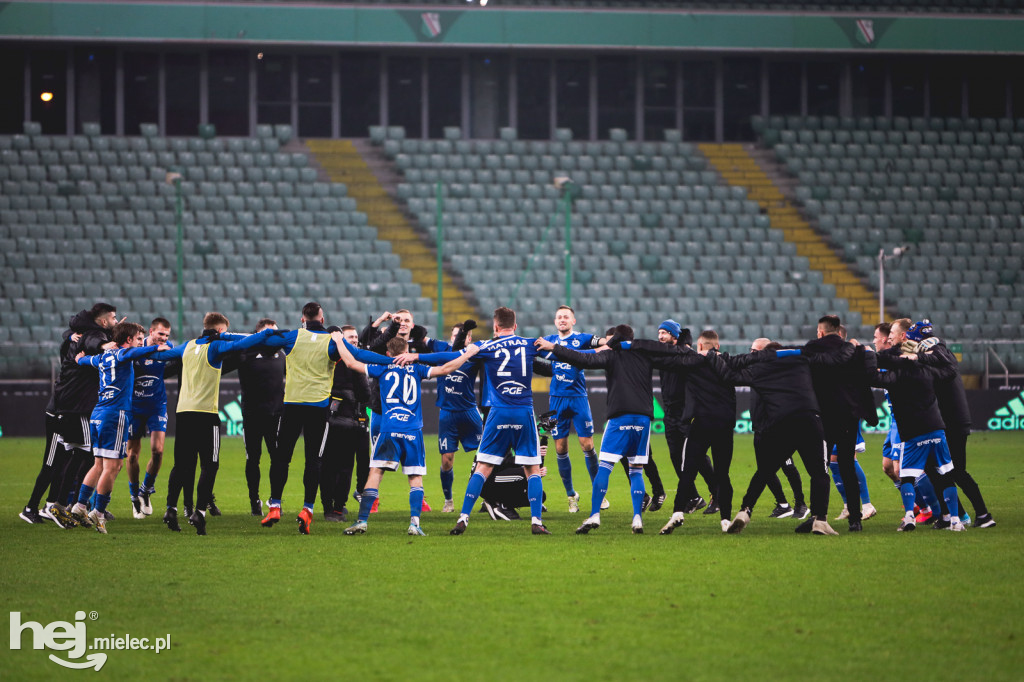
(497, 603)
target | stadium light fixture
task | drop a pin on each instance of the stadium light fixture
(46, 96)
(884, 255)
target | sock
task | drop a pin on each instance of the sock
(924, 486)
(590, 458)
(103, 500)
(834, 468)
(952, 503)
(133, 489)
(865, 496)
(565, 471)
(604, 472)
(308, 505)
(907, 492)
(92, 500)
(148, 481)
(85, 494)
(535, 492)
(473, 488)
(447, 479)
(274, 503)
(415, 501)
(636, 489)
(369, 495)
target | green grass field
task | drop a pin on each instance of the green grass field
(249, 603)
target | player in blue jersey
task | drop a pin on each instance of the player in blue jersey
(568, 398)
(507, 361)
(401, 434)
(459, 419)
(149, 413)
(110, 421)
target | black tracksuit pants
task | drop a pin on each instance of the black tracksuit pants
(801, 433)
(348, 448)
(676, 431)
(695, 450)
(841, 437)
(957, 442)
(196, 437)
(55, 458)
(793, 475)
(258, 427)
(310, 422)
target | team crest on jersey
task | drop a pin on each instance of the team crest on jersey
(575, 343)
(148, 362)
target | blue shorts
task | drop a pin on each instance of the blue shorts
(149, 420)
(914, 454)
(628, 436)
(396, 447)
(463, 426)
(510, 427)
(892, 439)
(375, 420)
(110, 432)
(573, 410)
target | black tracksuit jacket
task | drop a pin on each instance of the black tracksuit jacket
(629, 375)
(78, 386)
(950, 392)
(911, 389)
(783, 385)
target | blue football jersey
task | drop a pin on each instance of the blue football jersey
(455, 390)
(117, 376)
(508, 368)
(400, 395)
(567, 380)
(149, 382)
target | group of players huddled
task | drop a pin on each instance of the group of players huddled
(322, 382)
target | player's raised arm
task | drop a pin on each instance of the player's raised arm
(346, 355)
(454, 364)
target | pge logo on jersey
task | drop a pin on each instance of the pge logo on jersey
(511, 388)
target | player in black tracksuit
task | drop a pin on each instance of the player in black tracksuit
(677, 424)
(789, 415)
(74, 396)
(845, 398)
(76, 386)
(261, 380)
(348, 438)
(956, 416)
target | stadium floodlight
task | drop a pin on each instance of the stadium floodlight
(884, 255)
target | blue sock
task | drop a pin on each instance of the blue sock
(273, 502)
(85, 494)
(447, 479)
(908, 495)
(604, 472)
(101, 503)
(308, 505)
(133, 489)
(636, 489)
(865, 496)
(952, 502)
(415, 501)
(92, 500)
(565, 471)
(148, 481)
(473, 488)
(535, 491)
(590, 458)
(834, 468)
(369, 495)
(923, 484)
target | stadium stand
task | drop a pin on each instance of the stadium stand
(649, 219)
(952, 189)
(92, 217)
